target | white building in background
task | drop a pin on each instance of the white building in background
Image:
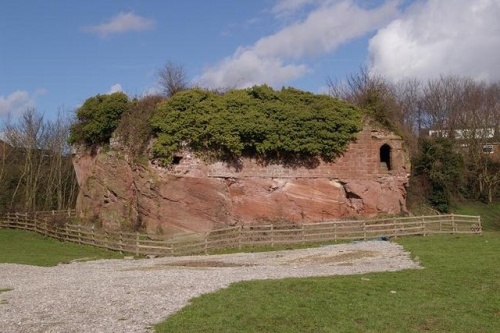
(489, 135)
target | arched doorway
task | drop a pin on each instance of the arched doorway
(385, 157)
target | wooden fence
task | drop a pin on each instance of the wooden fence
(240, 236)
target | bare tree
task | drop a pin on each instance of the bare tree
(61, 186)
(441, 102)
(41, 170)
(27, 135)
(409, 97)
(372, 93)
(134, 130)
(172, 79)
(478, 122)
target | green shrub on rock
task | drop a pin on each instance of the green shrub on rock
(260, 122)
(97, 119)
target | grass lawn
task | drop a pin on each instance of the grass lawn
(490, 214)
(24, 247)
(458, 291)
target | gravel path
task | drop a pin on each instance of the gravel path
(131, 295)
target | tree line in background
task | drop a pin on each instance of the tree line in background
(448, 124)
(36, 172)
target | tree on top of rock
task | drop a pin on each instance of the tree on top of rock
(97, 119)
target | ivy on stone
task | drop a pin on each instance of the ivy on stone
(258, 122)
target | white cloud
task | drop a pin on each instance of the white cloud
(435, 37)
(246, 68)
(276, 59)
(15, 103)
(287, 7)
(115, 88)
(41, 92)
(123, 22)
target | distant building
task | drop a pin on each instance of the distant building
(488, 136)
(464, 134)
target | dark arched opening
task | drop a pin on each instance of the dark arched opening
(177, 159)
(385, 157)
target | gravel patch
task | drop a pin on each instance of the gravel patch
(132, 295)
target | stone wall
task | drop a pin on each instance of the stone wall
(361, 161)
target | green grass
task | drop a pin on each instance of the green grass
(490, 213)
(24, 247)
(2, 301)
(4, 290)
(458, 291)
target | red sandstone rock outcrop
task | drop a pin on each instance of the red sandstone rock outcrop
(369, 179)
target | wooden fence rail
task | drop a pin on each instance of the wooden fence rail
(48, 224)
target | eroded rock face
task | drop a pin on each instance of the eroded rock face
(195, 196)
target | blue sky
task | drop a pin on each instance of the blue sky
(54, 54)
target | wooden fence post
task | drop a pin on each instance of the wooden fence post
(272, 235)
(240, 232)
(137, 244)
(34, 221)
(79, 234)
(60, 232)
(120, 241)
(106, 239)
(335, 232)
(364, 229)
(302, 235)
(453, 226)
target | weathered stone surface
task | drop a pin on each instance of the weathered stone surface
(195, 196)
